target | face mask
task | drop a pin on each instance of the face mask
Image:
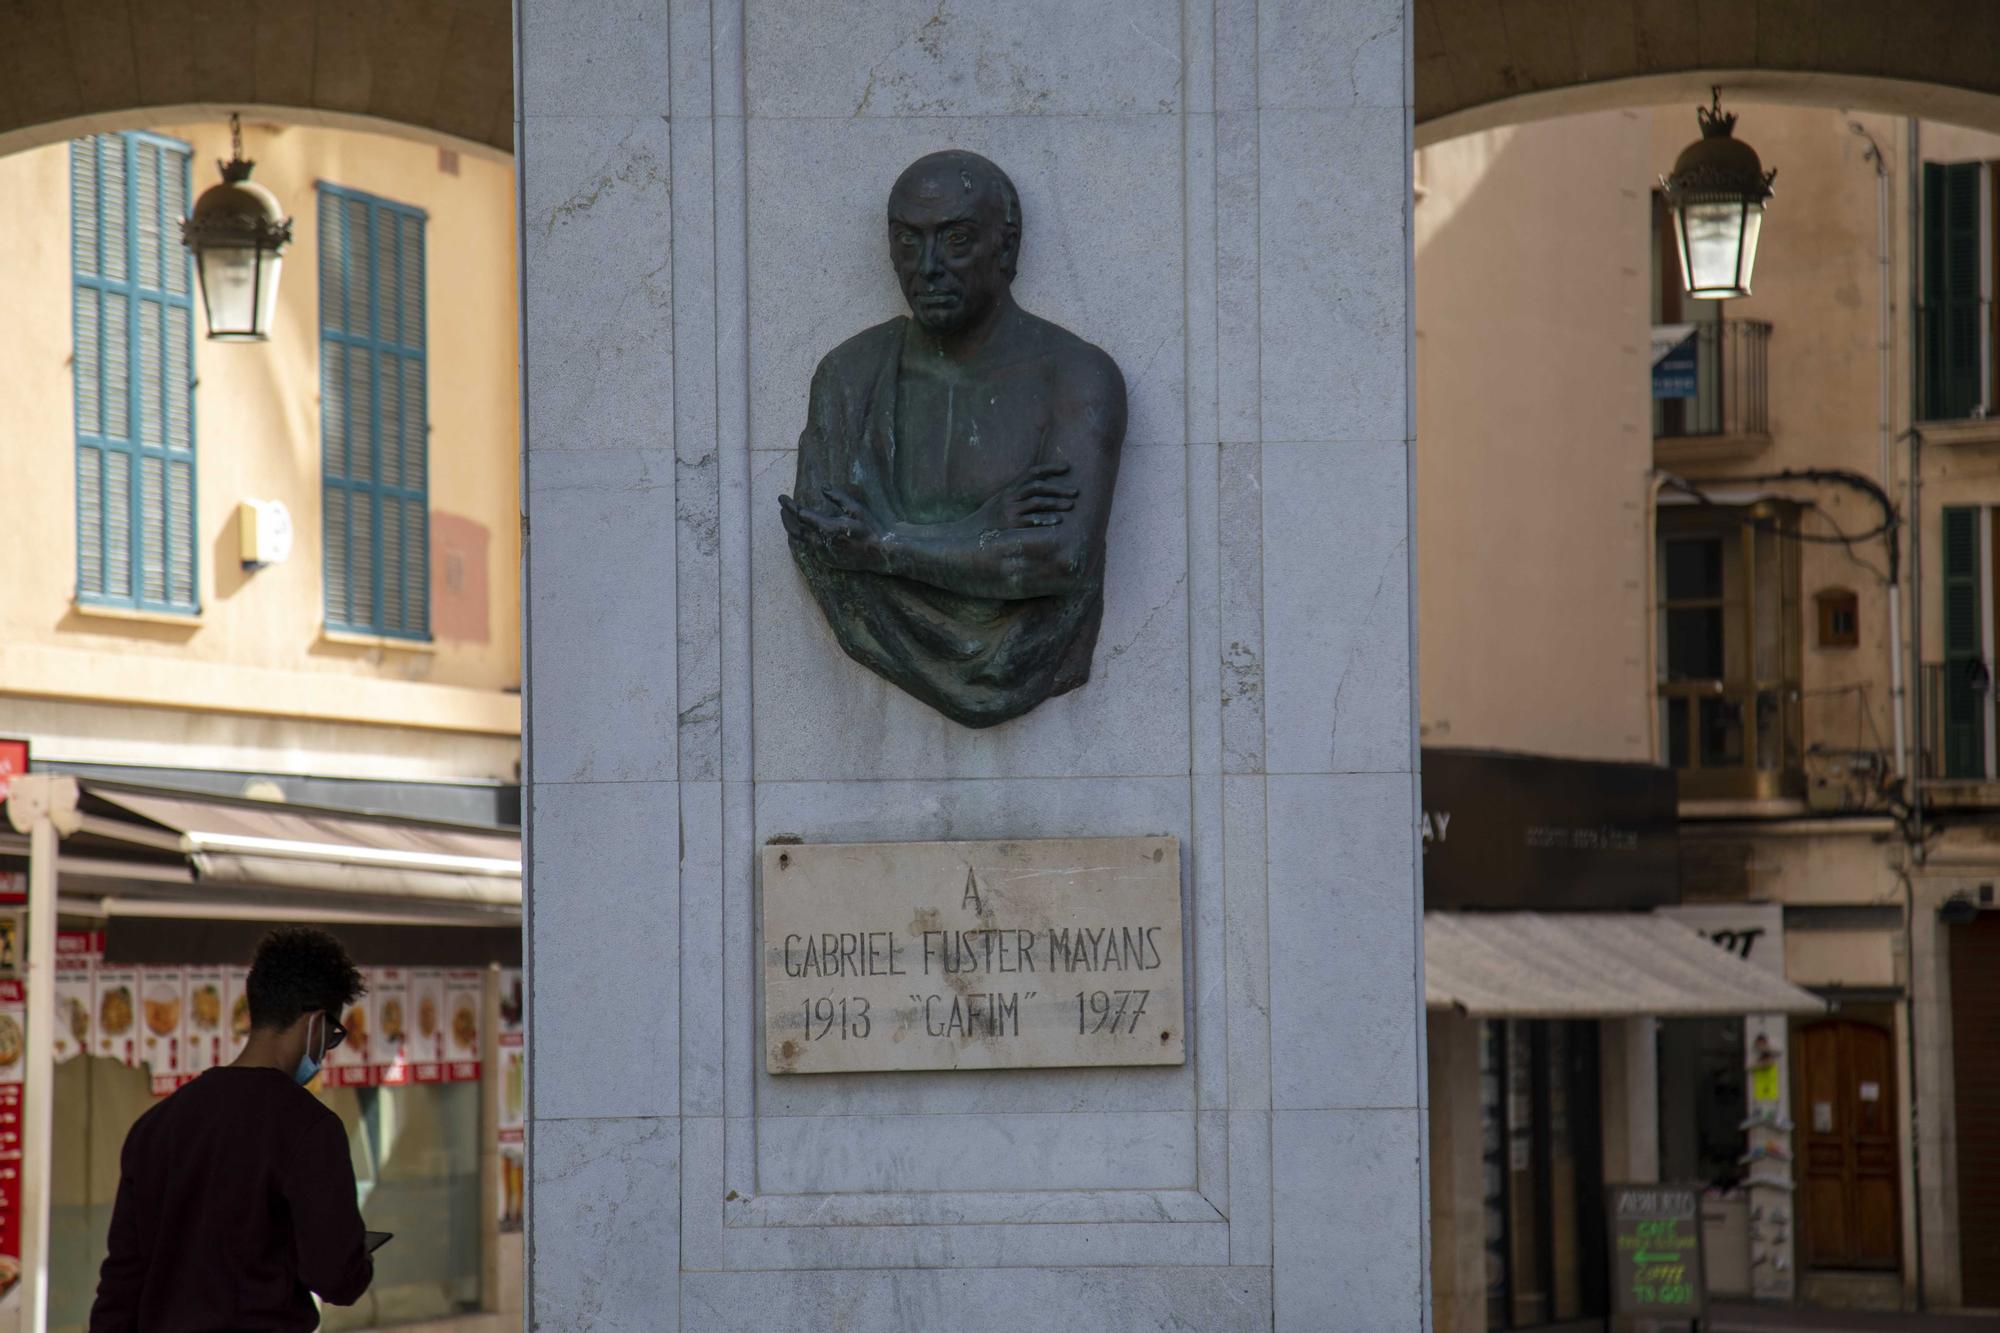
(308, 1065)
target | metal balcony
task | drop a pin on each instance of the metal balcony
(1955, 742)
(1717, 400)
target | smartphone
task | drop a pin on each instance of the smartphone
(375, 1240)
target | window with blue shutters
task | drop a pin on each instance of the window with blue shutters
(374, 444)
(134, 371)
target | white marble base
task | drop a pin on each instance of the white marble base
(1216, 192)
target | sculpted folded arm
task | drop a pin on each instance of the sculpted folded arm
(1039, 536)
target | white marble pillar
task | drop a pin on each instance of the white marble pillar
(1217, 193)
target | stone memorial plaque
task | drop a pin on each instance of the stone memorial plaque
(972, 955)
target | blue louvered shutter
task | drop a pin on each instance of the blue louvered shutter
(374, 424)
(133, 324)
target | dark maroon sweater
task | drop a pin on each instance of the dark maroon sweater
(235, 1200)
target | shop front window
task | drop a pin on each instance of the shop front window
(416, 1163)
(1543, 1173)
(1702, 1137)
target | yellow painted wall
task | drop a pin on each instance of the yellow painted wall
(257, 645)
(1955, 472)
(1534, 439)
(1535, 450)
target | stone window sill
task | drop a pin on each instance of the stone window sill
(135, 615)
(1971, 430)
(349, 639)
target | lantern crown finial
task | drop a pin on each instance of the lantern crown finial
(1714, 121)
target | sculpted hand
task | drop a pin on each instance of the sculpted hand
(1033, 501)
(846, 535)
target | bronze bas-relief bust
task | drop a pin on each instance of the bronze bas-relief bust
(956, 469)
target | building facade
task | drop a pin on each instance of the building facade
(272, 587)
(1667, 532)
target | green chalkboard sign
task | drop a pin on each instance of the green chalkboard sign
(1655, 1251)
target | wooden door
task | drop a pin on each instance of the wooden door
(1975, 1041)
(1846, 1170)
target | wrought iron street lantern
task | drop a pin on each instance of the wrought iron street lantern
(1716, 192)
(238, 234)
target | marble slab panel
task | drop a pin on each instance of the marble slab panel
(922, 58)
(1058, 1151)
(1214, 1299)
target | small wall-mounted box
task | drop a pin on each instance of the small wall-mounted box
(264, 532)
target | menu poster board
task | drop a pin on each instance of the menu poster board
(13, 1049)
(513, 1185)
(202, 1048)
(426, 1001)
(1656, 1251)
(73, 1014)
(352, 1064)
(163, 996)
(236, 1013)
(511, 1045)
(461, 1007)
(390, 988)
(115, 1001)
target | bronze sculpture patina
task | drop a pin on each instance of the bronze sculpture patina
(956, 469)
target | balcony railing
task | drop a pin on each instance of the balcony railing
(1953, 737)
(1953, 383)
(1723, 389)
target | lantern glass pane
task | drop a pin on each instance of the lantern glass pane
(229, 290)
(267, 290)
(1753, 223)
(1717, 244)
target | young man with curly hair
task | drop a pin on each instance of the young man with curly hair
(236, 1202)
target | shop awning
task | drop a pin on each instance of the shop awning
(1591, 965)
(238, 853)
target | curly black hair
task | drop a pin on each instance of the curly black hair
(299, 969)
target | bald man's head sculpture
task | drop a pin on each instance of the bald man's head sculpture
(956, 468)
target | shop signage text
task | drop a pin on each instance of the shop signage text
(1533, 833)
(1655, 1251)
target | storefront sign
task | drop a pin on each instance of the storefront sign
(1754, 932)
(1655, 1251)
(1530, 833)
(13, 763)
(972, 955)
(1675, 361)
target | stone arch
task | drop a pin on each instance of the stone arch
(1482, 63)
(435, 69)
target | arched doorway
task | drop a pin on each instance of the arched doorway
(1482, 65)
(70, 67)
